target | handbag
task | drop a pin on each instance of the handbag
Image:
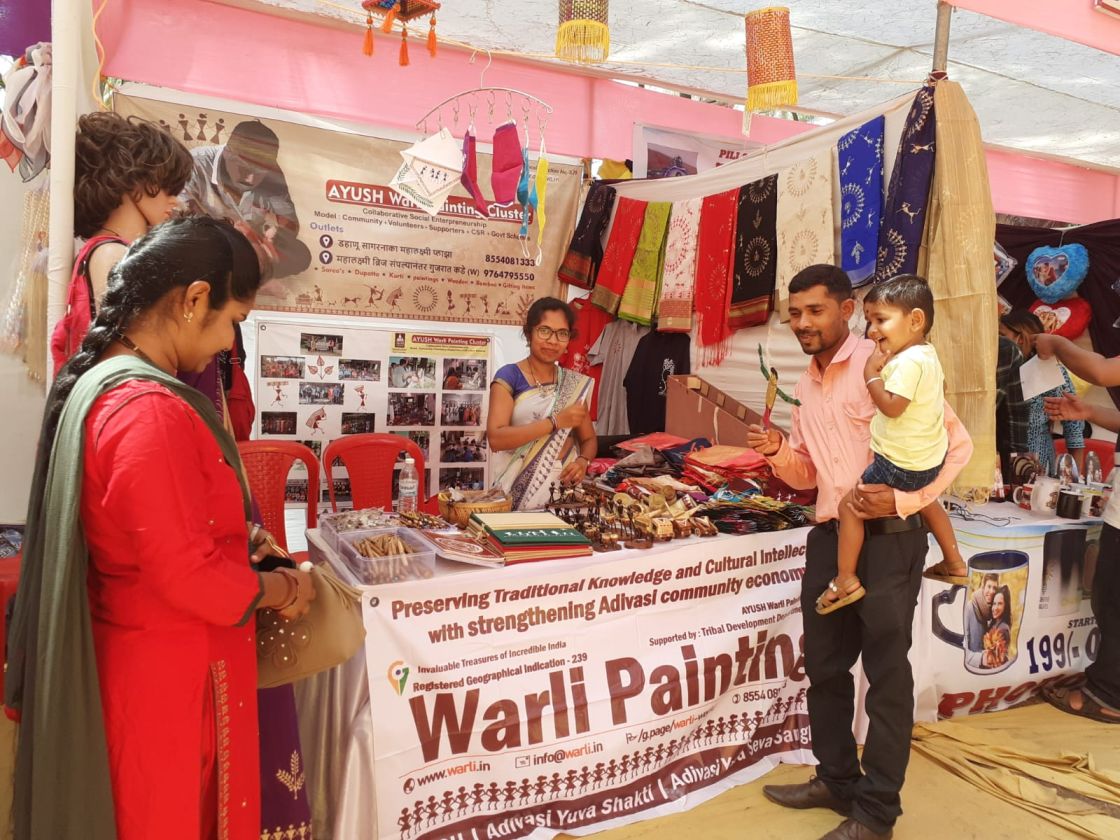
(328, 635)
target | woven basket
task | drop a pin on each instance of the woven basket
(457, 513)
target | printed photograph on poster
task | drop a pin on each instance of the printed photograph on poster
(278, 422)
(462, 447)
(667, 162)
(325, 343)
(368, 370)
(295, 490)
(358, 423)
(282, 367)
(315, 421)
(465, 478)
(462, 409)
(341, 489)
(421, 439)
(279, 392)
(313, 393)
(412, 372)
(464, 375)
(315, 446)
(412, 410)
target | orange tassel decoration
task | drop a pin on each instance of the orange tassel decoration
(404, 46)
(367, 46)
(432, 36)
(390, 19)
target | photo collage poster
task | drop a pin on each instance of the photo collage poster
(317, 382)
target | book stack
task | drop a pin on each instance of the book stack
(530, 535)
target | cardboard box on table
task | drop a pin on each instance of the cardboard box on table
(696, 408)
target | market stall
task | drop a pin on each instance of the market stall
(579, 694)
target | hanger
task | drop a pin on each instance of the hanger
(528, 103)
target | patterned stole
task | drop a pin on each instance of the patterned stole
(678, 279)
(904, 214)
(714, 259)
(645, 270)
(860, 154)
(805, 233)
(623, 241)
(585, 252)
(756, 249)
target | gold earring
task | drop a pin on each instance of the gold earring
(189, 316)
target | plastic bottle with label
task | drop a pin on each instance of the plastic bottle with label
(408, 486)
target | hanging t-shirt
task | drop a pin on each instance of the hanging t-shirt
(614, 350)
(590, 322)
(657, 357)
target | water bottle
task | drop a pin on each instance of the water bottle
(408, 487)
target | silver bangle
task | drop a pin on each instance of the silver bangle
(873, 379)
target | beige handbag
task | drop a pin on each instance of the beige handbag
(328, 635)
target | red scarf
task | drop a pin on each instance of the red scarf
(714, 264)
(610, 283)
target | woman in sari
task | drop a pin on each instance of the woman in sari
(131, 660)
(538, 425)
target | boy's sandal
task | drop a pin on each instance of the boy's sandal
(940, 572)
(1059, 698)
(842, 599)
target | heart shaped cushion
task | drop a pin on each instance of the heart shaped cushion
(1069, 318)
(1055, 273)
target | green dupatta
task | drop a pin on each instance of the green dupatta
(62, 786)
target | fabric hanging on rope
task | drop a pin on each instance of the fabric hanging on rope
(644, 283)
(860, 154)
(678, 278)
(585, 252)
(961, 231)
(904, 212)
(714, 259)
(756, 254)
(805, 233)
(619, 254)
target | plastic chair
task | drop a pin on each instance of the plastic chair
(1105, 451)
(369, 460)
(267, 463)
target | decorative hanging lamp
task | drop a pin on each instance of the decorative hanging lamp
(771, 76)
(391, 11)
(584, 36)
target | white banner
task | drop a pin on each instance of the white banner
(569, 697)
(317, 381)
(1023, 622)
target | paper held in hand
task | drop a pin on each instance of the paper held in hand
(1039, 376)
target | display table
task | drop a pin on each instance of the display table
(580, 694)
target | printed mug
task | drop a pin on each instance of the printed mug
(992, 613)
(1040, 497)
(1063, 564)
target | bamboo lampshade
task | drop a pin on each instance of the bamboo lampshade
(771, 76)
(584, 35)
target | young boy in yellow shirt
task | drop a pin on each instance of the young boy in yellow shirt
(908, 437)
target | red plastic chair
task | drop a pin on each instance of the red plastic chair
(369, 460)
(1105, 451)
(267, 463)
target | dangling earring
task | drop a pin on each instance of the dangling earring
(189, 316)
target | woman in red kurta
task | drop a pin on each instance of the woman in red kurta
(138, 558)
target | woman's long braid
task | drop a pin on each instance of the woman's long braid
(119, 305)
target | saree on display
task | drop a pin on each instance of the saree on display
(526, 472)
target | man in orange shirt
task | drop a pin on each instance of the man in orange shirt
(829, 448)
